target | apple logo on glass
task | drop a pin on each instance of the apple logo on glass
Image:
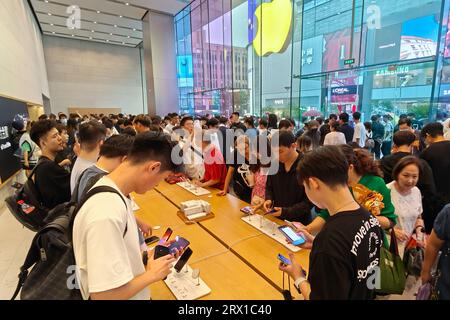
(274, 27)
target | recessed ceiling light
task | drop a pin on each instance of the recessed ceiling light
(98, 11)
(134, 29)
(127, 4)
(53, 32)
(90, 38)
(73, 35)
(107, 40)
(49, 14)
(95, 22)
(52, 24)
(115, 26)
(92, 31)
(123, 42)
(128, 37)
(110, 34)
(46, 1)
(120, 16)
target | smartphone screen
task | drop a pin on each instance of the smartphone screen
(183, 259)
(180, 244)
(283, 259)
(166, 236)
(292, 236)
(247, 210)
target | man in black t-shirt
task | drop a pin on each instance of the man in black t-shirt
(236, 123)
(345, 255)
(283, 193)
(51, 180)
(345, 128)
(438, 157)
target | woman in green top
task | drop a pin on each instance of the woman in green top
(362, 171)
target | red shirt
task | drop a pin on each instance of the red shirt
(215, 168)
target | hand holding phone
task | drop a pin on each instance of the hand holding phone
(180, 244)
(285, 261)
(293, 237)
(161, 251)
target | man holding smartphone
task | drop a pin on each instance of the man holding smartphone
(285, 199)
(105, 234)
(346, 253)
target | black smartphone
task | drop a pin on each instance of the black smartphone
(183, 259)
(151, 240)
(166, 236)
(161, 251)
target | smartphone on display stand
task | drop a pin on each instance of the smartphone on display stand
(183, 260)
(247, 210)
(284, 260)
(166, 236)
(151, 240)
(290, 234)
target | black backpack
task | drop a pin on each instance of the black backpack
(51, 253)
(26, 204)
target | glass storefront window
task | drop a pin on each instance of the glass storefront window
(324, 56)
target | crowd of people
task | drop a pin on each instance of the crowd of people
(333, 177)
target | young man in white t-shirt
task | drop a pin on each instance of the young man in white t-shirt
(360, 131)
(105, 236)
(91, 134)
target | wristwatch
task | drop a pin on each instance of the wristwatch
(300, 280)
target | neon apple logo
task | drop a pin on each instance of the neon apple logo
(274, 27)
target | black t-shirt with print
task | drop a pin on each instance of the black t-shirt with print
(343, 255)
(241, 172)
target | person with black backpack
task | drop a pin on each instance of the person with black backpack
(52, 181)
(112, 153)
(105, 232)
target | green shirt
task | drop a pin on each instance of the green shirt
(26, 147)
(377, 184)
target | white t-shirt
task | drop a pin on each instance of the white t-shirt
(408, 208)
(106, 259)
(169, 128)
(360, 133)
(78, 168)
(334, 139)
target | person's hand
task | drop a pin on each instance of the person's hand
(401, 235)
(197, 183)
(267, 206)
(309, 238)
(176, 253)
(294, 270)
(426, 276)
(145, 228)
(222, 193)
(277, 213)
(159, 268)
(65, 162)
